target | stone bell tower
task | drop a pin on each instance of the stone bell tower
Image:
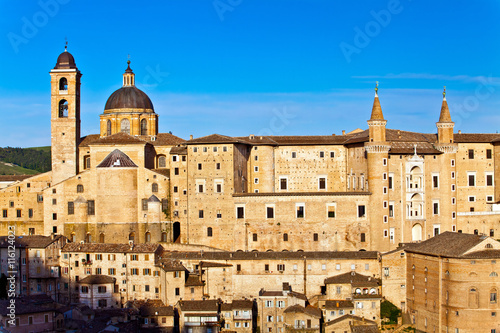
(65, 117)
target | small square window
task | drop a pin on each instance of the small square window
(294, 154)
(332, 154)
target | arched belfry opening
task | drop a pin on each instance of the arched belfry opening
(108, 128)
(63, 84)
(63, 108)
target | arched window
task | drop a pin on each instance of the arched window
(493, 274)
(88, 239)
(131, 236)
(473, 298)
(285, 237)
(79, 188)
(163, 236)
(358, 291)
(373, 291)
(73, 237)
(125, 126)
(101, 238)
(416, 232)
(144, 127)
(489, 246)
(154, 187)
(63, 84)
(148, 237)
(63, 108)
(493, 296)
(108, 127)
(209, 231)
(162, 161)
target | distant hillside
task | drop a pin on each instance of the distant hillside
(18, 161)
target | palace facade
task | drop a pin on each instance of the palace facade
(365, 190)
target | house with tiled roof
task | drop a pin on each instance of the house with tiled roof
(199, 316)
(300, 318)
(351, 324)
(240, 315)
(452, 283)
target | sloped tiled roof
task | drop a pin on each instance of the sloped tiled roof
(117, 159)
(111, 248)
(242, 304)
(308, 140)
(215, 138)
(352, 278)
(475, 137)
(120, 138)
(447, 244)
(338, 304)
(162, 139)
(409, 148)
(169, 265)
(34, 241)
(178, 150)
(201, 306)
(156, 308)
(193, 281)
(97, 279)
(308, 310)
(13, 178)
(213, 264)
(353, 317)
(87, 140)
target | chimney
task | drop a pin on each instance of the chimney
(191, 137)
(459, 132)
(343, 132)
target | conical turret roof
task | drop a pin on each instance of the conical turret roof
(445, 116)
(376, 109)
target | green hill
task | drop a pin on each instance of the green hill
(18, 161)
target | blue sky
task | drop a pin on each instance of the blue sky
(240, 67)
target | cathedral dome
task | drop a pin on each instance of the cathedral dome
(128, 98)
(65, 61)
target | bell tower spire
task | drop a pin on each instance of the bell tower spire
(128, 76)
(377, 122)
(445, 125)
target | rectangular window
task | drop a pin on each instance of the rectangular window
(200, 188)
(240, 212)
(219, 214)
(71, 208)
(332, 154)
(315, 237)
(111, 271)
(321, 154)
(177, 291)
(18, 213)
(471, 179)
(322, 183)
(238, 267)
(280, 267)
(294, 154)
(254, 237)
(176, 171)
(54, 201)
(176, 189)
(256, 180)
(200, 166)
(488, 154)
(218, 188)
(361, 211)
(4, 213)
(283, 184)
(435, 181)
(144, 204)
(270, 212)
(390, 182)
(54, 216)
(300, 210)
(471, 154)
(30, 213)
(90, 207)
(435, 208)
(489, 180)
(200, 213)
(391, 210)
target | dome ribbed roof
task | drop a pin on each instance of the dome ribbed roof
(65, 61)
(129, 98)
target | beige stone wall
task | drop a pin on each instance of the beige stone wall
(393, 277)
(134, 272)
(456, 303)
(24, 196)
